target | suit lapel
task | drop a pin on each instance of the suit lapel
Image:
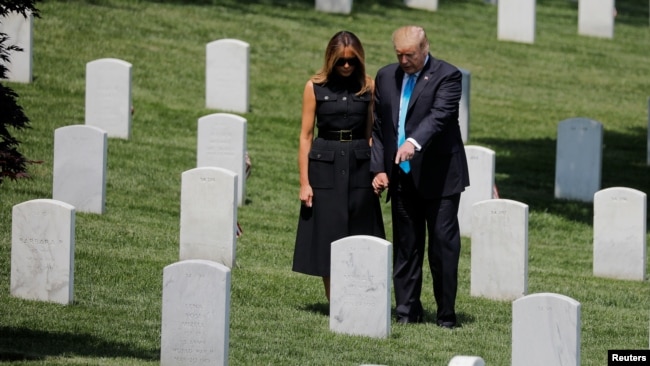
(395, 98)
(425, 76)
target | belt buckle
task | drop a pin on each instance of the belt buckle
(341, 138)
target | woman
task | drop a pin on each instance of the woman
(335, 181)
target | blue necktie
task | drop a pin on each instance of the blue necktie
(404, 104)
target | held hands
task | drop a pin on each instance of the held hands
(306, 195)
(380, 183)
(405, 152)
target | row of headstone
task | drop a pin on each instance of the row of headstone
(43, 230)
(80, 158)
(577, 168)
(80, 151)
(196, 301)
(499, 241)
(516, 19)
(545, 326)
(108, 81)
(43, 255)
(196, 292)
(196, 289)
(345, 6)
(108, 86)
(196, 310)
(19, 31)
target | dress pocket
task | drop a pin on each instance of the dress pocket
(360, 176)
(321, 168)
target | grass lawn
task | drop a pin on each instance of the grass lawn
(519, 94)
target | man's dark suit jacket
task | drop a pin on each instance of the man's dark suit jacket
(440, 168)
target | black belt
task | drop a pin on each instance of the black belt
(341, 135)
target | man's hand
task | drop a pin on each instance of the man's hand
(405, 152)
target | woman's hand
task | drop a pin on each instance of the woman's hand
(380, 183)
(306, 195)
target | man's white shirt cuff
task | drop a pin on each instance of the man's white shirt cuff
(415, 143)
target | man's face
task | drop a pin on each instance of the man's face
(410, 57)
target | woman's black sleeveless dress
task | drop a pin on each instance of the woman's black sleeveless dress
(344, 203)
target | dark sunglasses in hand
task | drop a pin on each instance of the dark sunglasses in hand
(350, 61)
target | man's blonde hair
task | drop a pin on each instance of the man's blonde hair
(410, 35)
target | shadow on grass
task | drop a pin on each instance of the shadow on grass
(18, 344)
(317, 308)
(525, 170)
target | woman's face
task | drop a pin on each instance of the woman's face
(346, 62)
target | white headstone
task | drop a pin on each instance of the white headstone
(481, 162)
(19, 29)
(360, 286)
(516, 21)
(79, 174)
(108, 96)
(334, 6)
(226, 75)
(222, 144)
(466, 361)
(463, 106)
(431, 5)
(208, 215)
(578, 159)
(499, 260)
(620, 216)
(596, 18)
(195, 313)
(42, 251)
(545, 330)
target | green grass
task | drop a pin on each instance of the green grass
(519, 94)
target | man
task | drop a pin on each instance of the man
(425, 171)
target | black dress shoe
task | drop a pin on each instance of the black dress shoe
(409, 320)
(447, 325)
